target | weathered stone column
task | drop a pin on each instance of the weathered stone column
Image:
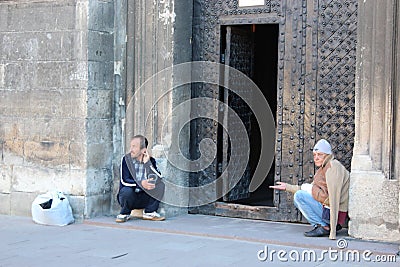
(374, 189)
(99, 106)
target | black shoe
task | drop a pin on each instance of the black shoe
(316, 226)
(338, 228)
(318, 231)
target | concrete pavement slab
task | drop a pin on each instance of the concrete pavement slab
(189, 240)
(278, 233)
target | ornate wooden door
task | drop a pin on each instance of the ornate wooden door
(315, 83)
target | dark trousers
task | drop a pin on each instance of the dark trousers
(129, 199)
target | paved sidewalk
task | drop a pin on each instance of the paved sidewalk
(188, 240)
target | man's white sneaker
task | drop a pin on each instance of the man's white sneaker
(153, 216)
(121, 218)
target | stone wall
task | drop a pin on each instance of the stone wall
(56, 91)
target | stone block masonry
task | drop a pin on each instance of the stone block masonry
(56, 103)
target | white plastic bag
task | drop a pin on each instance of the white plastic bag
(52, 208)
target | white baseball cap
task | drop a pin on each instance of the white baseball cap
(323, 146)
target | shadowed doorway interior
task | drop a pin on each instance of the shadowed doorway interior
(252, 49)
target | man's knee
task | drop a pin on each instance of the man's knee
(126, 192)
(299, 196)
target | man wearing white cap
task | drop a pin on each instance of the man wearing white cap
(324, 202)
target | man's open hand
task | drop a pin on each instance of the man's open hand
(280, 186)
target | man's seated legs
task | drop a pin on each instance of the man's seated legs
(153, 202)
(312, 211)
(129, 200)
(309, 207)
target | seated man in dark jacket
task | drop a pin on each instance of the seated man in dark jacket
(140, 184)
